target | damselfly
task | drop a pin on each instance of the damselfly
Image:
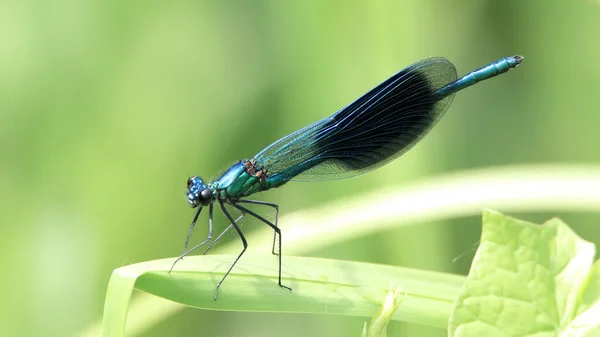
(369, 133)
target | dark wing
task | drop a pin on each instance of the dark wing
(367, 134)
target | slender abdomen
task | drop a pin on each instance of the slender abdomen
(491, 70)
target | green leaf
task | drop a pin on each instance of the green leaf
(319, 286)
(529, 280)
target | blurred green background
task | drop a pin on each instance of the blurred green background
(107, 107)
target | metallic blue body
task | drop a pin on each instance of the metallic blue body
(235, 183)
(375, 129)
(230, 176)
(493, 69)
(370, 132)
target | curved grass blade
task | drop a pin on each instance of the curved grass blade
(320, 286)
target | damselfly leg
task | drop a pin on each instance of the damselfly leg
(187, 238)
(212, 244)
(269, 204)
(275, 228)
(242, 237)
(208, 239)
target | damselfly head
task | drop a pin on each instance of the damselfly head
(198, 193)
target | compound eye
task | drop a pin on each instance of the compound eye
(190, 181)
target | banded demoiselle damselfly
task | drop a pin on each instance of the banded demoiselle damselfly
(369, 133)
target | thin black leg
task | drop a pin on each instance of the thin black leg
(277, 230)
(276, 207)
(212, 244)
(239, 231)
(187, 238)
(210, 233)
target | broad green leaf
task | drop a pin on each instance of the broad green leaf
(529, 280)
